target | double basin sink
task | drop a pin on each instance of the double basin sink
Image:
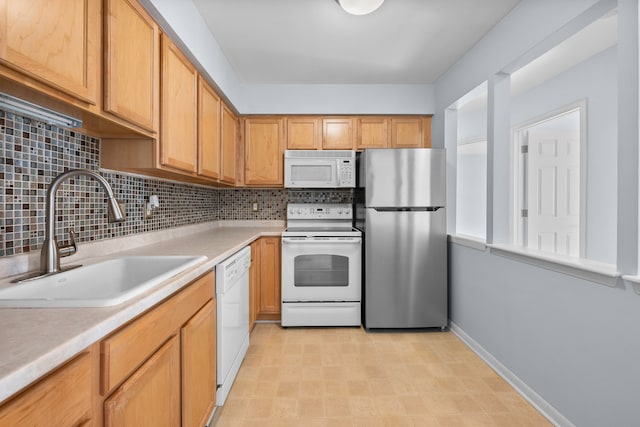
(103, 284)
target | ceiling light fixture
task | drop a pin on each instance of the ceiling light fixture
(359, 7)
(22, 107)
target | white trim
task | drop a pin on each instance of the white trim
(634, 280)
(537, 401)
(468, 241)
(593, 271)
(471, 140)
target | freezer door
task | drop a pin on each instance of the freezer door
(405, 269)
(408, 177)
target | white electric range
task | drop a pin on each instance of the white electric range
(321, 266)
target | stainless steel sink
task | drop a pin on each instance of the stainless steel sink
(102, 284)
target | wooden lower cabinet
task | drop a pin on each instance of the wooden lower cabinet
(174, 346)
(254, 284)
(270, 299)
(157, 370)
(151, 396)
(198, 338)
(63, 398)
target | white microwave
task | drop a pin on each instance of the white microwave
(319, 169)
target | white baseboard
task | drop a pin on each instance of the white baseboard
(548, 411)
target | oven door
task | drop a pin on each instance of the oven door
(321, 269)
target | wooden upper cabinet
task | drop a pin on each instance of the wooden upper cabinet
(304, 133)
(131, 64)
(179, 114)
(208, 131)
(407, 132)
(426, 123)
(372, 132)
(62, 53)
(264, 151)
(229, 146)
(337, 133)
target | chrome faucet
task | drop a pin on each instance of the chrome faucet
(51, 251)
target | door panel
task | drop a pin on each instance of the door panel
(405, 177)
(554, 190)
(406, 269)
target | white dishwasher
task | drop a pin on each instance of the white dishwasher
(232, 296)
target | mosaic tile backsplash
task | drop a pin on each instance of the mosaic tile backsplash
(33, 153)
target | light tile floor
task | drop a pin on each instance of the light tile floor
(348, 377)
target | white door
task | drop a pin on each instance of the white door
(553, 186)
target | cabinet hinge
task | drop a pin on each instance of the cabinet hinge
(524, 213)
(524, 149)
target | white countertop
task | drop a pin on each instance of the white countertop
(35, 341)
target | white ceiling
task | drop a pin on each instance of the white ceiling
(315, 41)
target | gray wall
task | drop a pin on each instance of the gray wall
(572, 342)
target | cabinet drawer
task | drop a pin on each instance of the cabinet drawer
(61, 399)
(128, 348)
(151, 396)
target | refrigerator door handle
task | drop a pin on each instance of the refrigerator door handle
(406, 209)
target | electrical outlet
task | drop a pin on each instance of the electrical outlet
(254, 207)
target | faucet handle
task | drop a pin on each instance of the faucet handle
(71, 248)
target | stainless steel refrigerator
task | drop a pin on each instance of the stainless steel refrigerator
(400, 206)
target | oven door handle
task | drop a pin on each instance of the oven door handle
(348, 240)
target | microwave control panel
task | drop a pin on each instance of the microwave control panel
(346, 175)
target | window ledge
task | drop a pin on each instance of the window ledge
(635, 281)
(468, 241)
(593, 271)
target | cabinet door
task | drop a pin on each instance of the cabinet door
(270, 300)
(208, 131)
(198, 337)
(229, 138)
(304, 133)
(407, 132)
(179, 96)
(264, 152)
(254, 284)
(151, 396)
(54, 41)
(61, 399)
(337, 134)
(372, 132)
(131, 63)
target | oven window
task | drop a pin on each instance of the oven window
(321, 270)
(311, 172)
